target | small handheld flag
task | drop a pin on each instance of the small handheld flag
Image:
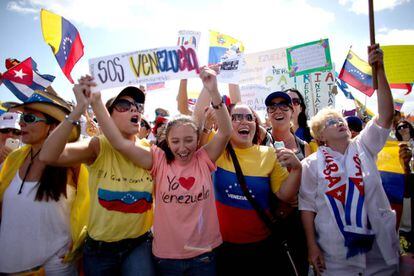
(22, 78)
(64, 39)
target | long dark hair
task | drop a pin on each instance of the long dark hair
(410, 127)
(302, 118)
(179, 120)
(52, 183)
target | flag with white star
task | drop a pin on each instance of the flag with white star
(23, 79)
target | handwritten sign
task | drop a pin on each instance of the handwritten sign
(230, 69)
(309, 57)
(189, 38)
(398, 62)
(154, 65)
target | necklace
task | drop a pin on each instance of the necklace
(32, 158)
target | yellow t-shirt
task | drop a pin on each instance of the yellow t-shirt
(121, 196)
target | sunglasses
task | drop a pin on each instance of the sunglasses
(240, 117)
(296, 101)
(31, 118)
(400, 127)
(123, 105)
(334, 122)
(284, 106)
(12, 130)
(143, 124)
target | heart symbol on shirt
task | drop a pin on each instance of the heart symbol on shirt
(186, 183)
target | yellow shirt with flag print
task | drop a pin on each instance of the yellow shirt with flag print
(121, 196)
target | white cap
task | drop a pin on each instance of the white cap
(9, 120)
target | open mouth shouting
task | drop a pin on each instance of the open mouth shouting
(135, 120)
(244, 131)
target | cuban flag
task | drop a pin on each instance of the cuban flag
(23, 79)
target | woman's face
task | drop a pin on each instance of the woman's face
(127, 120)
(244, 126)
(295, 103)
(182, 140)
(335, 129)
(404, 131)
(34, 127)
(280, 113)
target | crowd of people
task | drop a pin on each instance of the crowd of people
(98, 189)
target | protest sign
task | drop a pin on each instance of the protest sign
(189, 38)
(223, 46)
(398, 62)
(230, 69)
(270, 70)
(309, 57)
(154, 65)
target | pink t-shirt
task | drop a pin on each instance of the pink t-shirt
(185, 216)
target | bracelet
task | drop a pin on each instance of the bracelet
(218, 105)
(73, 122)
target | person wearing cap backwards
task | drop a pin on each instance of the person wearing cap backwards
(348, 220)
(9, 129)
(37, 199)
(121, 214)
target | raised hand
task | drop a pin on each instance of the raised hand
(209, 77)
(375, 56)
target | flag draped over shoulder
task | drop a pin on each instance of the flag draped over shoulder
(357, 73)
(22, 79)
(221, 45)
(64, 39)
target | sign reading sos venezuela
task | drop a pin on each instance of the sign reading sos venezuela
(153, 65)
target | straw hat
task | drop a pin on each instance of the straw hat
(51, 105)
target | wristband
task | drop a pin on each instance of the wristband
(218, 105)
(73, 122)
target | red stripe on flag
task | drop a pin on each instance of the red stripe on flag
(76, 52)
(348, 78)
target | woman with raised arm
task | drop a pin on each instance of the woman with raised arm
(186, 229)
(348, 220)
(36, 198)
(118, 231)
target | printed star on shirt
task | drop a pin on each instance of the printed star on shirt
(19, 73)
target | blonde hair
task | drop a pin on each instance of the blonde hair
(317, 123)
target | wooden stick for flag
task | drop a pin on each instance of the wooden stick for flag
(372, 38)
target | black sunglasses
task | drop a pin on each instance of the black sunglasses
(123, 105)
(12, 130)
(402, 126)
(284, 106)
(239, 117)
(31, 118)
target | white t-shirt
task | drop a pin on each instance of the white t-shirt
(312, 198)
(31, 232)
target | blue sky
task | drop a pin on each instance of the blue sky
(107, 28)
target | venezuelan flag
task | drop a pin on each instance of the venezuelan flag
(220, 44)
(64, 39)
(357, 73)
(398, 103)
(392, 174)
